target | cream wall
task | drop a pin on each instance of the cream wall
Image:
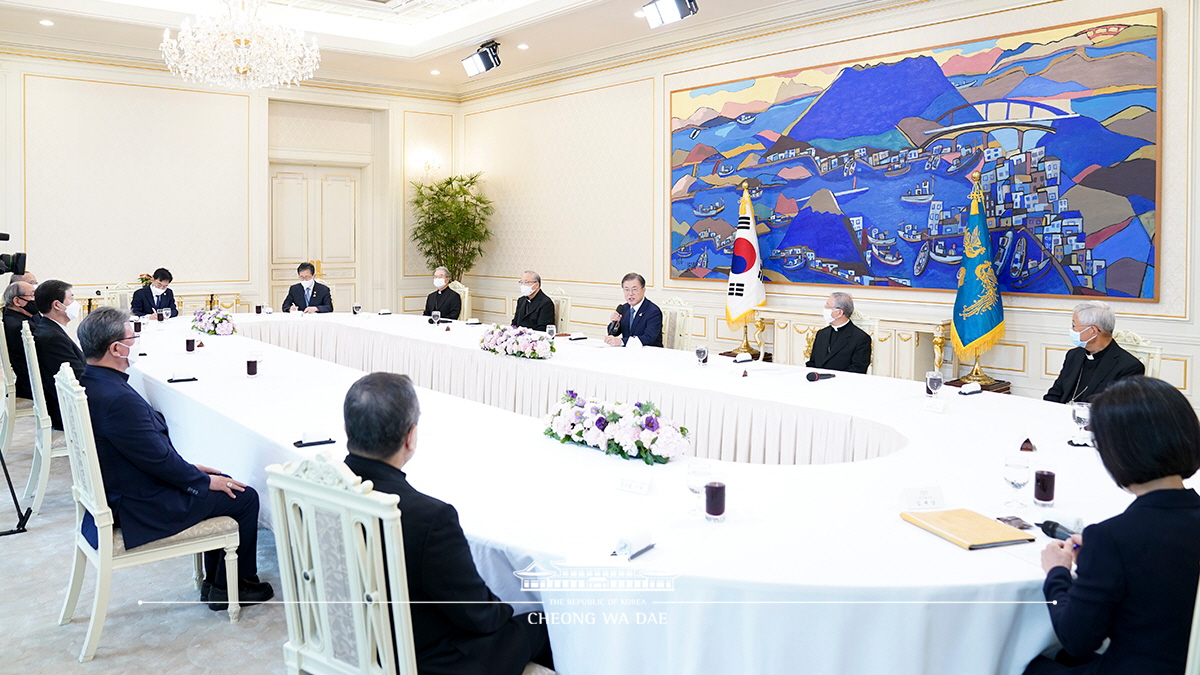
(1032, 351)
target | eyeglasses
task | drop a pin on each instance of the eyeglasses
(131, 337)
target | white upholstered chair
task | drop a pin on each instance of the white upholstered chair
(464, 294)
(677, 324)
(120, 296)
(47, 443)
(562, 310)
(13, 407)
(1145, 351)
(88, 491)
(331, 533)
(870, 327)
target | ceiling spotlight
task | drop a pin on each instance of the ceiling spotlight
(661, 12)
(483, 60)
(46, 22)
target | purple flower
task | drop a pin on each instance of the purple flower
(651, 423)
(601, 422)
(638, 404)
(572, 395)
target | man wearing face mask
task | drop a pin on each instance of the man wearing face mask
(534, 309)
(1096, 361)
(18, 308)
(154, 493)
(841, 345)
(443, 299)
(308, 296)
(149, 299)
(56, 302)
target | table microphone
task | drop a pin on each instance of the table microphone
(813, 377)
(1053, 529)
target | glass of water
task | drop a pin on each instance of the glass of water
(1016, 474)
(1081, 413)
(933, 382)
(698, 475)
(551, 330)
(436, 316)
(702, 355)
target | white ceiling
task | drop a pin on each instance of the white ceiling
(397, 42)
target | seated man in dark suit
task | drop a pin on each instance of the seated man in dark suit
(56, 302)
(155, 296)
(534, 309)
(638, 317)
(459, 626)
(841, 345)
(154, 493)
(308, 296)
(443, 299)
(1096, 361)
(18, 308)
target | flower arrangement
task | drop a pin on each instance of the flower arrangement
(145, 279)
(213, 322)
(634, 431)
(516, 341)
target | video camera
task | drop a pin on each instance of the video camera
(11, 262)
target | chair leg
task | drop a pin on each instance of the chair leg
(6, 432)
(198, 569)
(40, 472)
(77, 572)
(232, 582)
(99, 611)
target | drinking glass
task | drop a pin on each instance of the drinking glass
(1081, 413)
(701, 355)
(252, 361)
(714, 501)
(933, 382)
(436, 316)
(355, 308)
(551, 330)
(160, 314)
(698, 475)
(1016, 474)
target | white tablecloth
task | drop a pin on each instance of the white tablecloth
(813, 570)
(771, 416)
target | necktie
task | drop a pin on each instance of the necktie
(307, 295)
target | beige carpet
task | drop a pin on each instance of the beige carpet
(146, 639)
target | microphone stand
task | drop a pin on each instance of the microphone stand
(22, 518)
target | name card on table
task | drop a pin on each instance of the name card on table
(922, 498)
(635, 484)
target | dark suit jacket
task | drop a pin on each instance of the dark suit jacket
(153, 492)
(851, 352)
(54, 348)
(445, 301)
(13, 320)
(144, 302)
(647, 325)
(321, 298)
(458, 638)
(1115, 363)
(535, 313)
(1135, 584)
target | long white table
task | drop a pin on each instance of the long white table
(771, 416)
(812, 571)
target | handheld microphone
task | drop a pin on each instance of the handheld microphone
(813, 377)
(614, 327)
(1053, 529)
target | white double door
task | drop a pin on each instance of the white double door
(314, 217)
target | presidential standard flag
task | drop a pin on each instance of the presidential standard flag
(746, 291)
(978, 313)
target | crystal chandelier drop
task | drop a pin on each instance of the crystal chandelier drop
(239, 50)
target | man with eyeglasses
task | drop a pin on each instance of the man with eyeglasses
(153, 492)
(18, 308)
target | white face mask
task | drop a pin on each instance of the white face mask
(526, 290)
(439, 282)
(72, 311)
(132, 356)
(157, 291)
(307, 283)
(828, 314)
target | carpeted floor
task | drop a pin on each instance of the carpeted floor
(143, 639)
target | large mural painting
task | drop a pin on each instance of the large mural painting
(860, 172)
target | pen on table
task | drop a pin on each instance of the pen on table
(641, 551)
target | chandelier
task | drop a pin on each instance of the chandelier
(239, 50)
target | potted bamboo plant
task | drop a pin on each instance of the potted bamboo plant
(451, 222)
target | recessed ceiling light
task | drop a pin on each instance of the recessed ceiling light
(639, 14)
(46, 22)
(435, 72)
(522, 46)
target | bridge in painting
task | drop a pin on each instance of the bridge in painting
(997, 114)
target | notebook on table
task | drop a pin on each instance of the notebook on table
(967, 528)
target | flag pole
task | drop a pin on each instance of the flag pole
(977, 375)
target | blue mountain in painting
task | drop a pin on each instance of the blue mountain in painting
(822, 227)
(1081, 142)
(870, 101)
(1040, 87)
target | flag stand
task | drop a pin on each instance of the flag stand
(977, 375)
(745, 347)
